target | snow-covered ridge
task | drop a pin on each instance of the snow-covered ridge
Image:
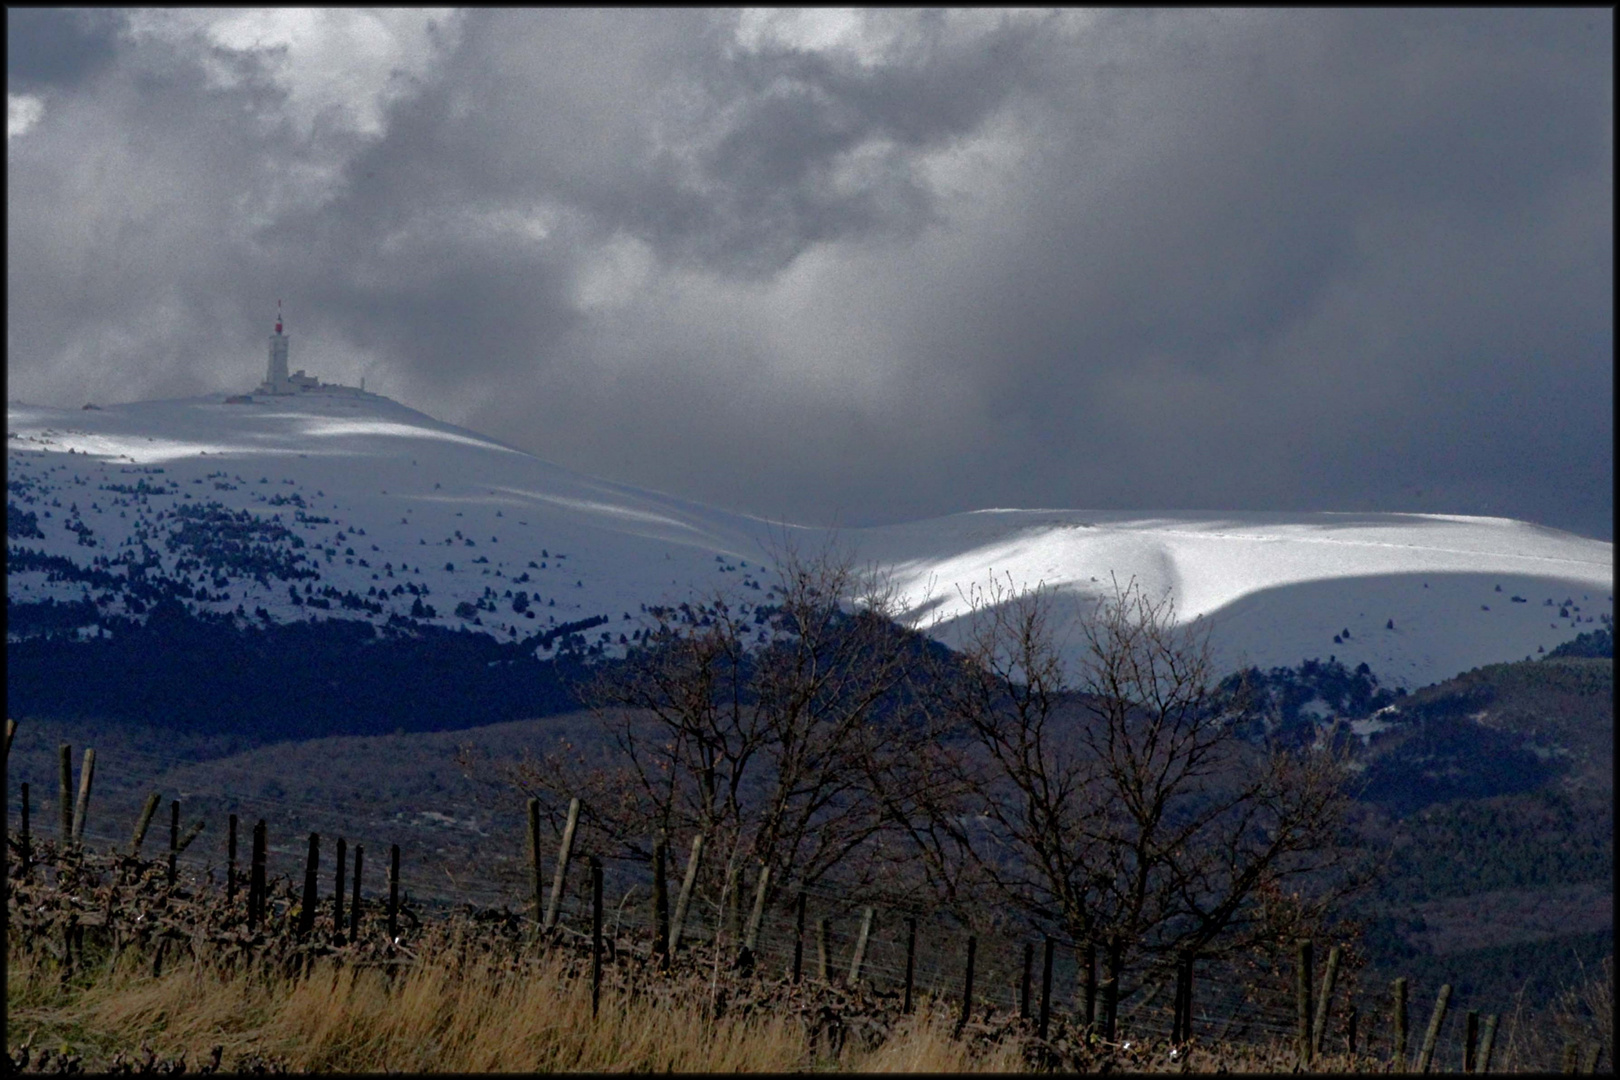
(475, 522)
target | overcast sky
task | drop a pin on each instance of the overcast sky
(853, 268)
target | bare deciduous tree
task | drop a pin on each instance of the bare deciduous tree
(758, 727)
(1120, 802)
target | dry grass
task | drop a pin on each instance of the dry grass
(459, 1012)
(443, 1015)
(434, 1018)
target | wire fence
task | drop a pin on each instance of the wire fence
(487, 864)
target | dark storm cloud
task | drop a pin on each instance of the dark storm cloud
(1263, 259)
(53, 46)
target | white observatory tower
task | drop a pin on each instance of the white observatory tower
(277, 381)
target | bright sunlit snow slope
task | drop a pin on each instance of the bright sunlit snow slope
(1417, 597)
(424, 503)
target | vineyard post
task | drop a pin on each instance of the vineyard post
(1181, 1007)
(967, 987)
(81, 809)
(1432, 1036)
(798, 938)
(256, 882)
(26, 853)
(1175, 1003)
(1111, 988)
(1487, 1040)
(660, 946)
(823, 932)
(755, 917)
(1329, 977)
(312, 864)
(1090, 962)
(144, 822)
(393, 892)
(1470, 1038)
(563, 852)
(730, 906)
(64, 802)
(1400, 1025)
(342, 857)
(860, 946)
(230, 861)
(191, 833)
(1023, 987)
(1046, 985)
(911, 961)
(685, 898)
(596, 935)
(354, 899)
(1302, 1000)
(1350, 1029)
(1187, 998)
(174, 837)
(534, 860)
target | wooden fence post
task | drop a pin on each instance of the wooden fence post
(1302, 999)
(730, 906)
(823, 932)
(144, 822)
(342, 857)
(1111, 988)
(174, 837)
(911, 961)
(1024, 1010)
(26, 845)
(596, 935)
(393, 892)
(1329, 977)
(756, 916)
(256, 875)
(1181, 1008)
(798, 938)
(563, 854)
(660, 946)
(64, 802)
(1470, 1039)
(859, 958)
(1487, 1040)
(1400, 1025)
(1090, 963)
(1350, 1029)
(191, 833)
(967, 987)
(1175, 1003)
(1046, 985)
(534, 861)
(678, 924)
(81, 809)
(312, 863)
(230, 861)
(1432, 1036)
(354, 899)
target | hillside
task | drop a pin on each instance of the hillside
(318, 507)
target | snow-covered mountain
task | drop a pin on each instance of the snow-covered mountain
(351, 505)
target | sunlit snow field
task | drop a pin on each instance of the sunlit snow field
(1277, 587)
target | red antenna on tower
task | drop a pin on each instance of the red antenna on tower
(278, 316)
